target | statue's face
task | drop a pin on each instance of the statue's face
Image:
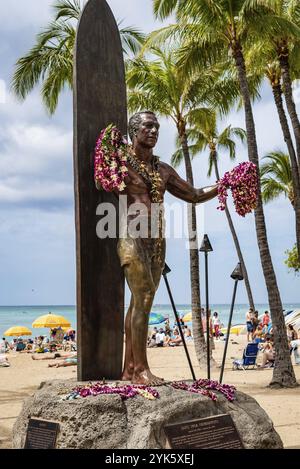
(148, 132)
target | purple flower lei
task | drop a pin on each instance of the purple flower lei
(201, 386)
(243, 182)
(125, 392)
(206, 387)
(110, 159)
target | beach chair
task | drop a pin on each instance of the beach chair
(249, 358)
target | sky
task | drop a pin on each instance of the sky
(37, 230)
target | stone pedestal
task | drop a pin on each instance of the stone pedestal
(106, 421)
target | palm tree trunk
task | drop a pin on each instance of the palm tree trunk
(283, 374)
(288, 94)
(277, 93)
(236, 243)
(198, 333)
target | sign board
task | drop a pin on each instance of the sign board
(41, 434)
(218, 432)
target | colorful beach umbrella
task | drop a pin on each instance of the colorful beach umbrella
(51, 320)
(17, 331)
(156, 318)
(187, 317)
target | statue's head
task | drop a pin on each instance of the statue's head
(144, 128)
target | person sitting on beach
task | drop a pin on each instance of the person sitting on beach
(175, 341)
(167, 327)
(70, 361)
(291, 333)
(187, 333)
(160, 338)
(268, 357)
(4, 363)
(258, 335)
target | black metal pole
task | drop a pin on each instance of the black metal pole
(228, 330)
(179, 327)
(207, 317)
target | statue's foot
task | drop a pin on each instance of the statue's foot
(147, 378)
(127, 373)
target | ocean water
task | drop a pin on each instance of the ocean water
(25, 315)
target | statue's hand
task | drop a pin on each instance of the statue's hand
(207, 193)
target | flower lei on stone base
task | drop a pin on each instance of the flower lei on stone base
(243, 183)
(206, 387)
(201, 386)
(125, 392)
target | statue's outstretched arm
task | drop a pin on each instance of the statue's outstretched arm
(185, 191)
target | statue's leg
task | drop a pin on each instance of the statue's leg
(128, 363)
(140, 281)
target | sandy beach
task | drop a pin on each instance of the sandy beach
(282, 405)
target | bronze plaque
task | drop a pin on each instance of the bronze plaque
(41, 434)
(218, 432)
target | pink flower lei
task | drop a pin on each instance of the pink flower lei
(243, 183)
(110, 163)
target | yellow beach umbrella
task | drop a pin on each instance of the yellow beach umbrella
(187, 317)
(17, 331)
(51, 320)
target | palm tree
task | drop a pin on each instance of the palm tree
(263, 57)
(207, 31)
(157, 84)
(287, 48)
(276, 177)
(206, 136)
(51, 58)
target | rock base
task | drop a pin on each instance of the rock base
(107, 422)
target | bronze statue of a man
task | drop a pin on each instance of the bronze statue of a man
(143, 258)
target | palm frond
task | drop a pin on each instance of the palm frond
(177, 158)
(163, 8)
(132, 39)
(68, 9)
(272, 189)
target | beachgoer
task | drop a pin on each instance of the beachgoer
(266, 321)
(291, 332)
(249, 324)
(4, 363)
(53, 356)
(258, 335)
(216, 322)
(4, 346)
(255, 322)
(71, 361)
(167, 327)
(187, 333)
(268, 353)
(295, 347)
(176, 340)
(143, 258)
(160, 338)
